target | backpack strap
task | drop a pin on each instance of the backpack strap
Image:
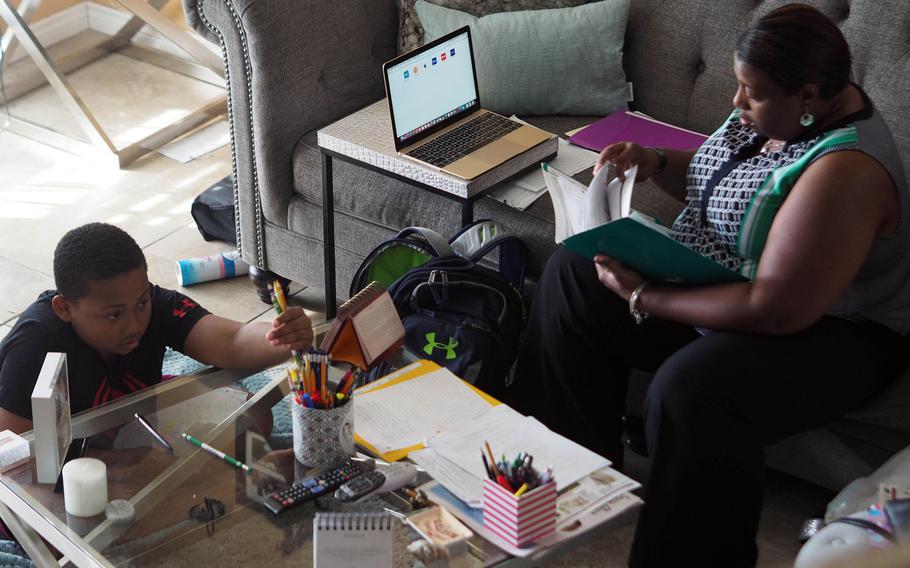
(512, 258)
(436, 242)
(438, 284)
(472, 236)
(476, 240)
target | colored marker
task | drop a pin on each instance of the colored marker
(158, 437)
(234, 462)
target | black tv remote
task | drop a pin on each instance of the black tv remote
(312, 487)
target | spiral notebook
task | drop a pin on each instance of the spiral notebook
(353, 540)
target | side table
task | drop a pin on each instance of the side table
(364, 138)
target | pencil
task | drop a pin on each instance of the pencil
(492, 459)
(279, 302)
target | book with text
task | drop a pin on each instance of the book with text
(598, 219)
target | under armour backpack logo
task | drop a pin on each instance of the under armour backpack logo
(432, 344)
(185, 305)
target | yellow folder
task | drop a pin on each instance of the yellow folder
(422, 367)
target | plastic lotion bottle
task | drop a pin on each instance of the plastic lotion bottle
(206, 268)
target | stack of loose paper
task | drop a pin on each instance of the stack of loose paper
(522, 191)
(441, 422)
(453, 456)
(577, 208)
(399, 414)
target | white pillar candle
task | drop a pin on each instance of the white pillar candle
(85, 487)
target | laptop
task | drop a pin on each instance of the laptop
(437, 120)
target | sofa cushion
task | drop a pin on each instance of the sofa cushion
(411, 30)
(561, 61)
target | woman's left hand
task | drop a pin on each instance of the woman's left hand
(292, 330)
(615, 276)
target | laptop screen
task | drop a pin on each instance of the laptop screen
(432, 84)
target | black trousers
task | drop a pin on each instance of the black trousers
(714, 403)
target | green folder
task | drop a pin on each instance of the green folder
(650, 252)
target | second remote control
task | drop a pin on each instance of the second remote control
(312, 487)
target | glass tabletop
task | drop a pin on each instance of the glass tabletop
(191, 507)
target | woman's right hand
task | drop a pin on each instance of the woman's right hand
(624, 155)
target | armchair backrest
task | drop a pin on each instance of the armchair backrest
(292, 66)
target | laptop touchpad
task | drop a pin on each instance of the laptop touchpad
(499, 151)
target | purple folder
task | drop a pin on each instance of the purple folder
(628, 126)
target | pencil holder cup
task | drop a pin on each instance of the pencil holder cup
(323, 437)
(519, 520)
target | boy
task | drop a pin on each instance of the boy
(114, 326)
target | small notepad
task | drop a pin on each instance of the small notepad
(353, 540)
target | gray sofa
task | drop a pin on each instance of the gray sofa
(294, 67)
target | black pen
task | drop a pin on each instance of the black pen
(153, 432)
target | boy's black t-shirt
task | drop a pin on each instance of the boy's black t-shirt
(92, 381)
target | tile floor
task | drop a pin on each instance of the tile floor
(45, 192)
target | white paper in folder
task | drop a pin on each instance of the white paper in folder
(406, 414)
(508, 432)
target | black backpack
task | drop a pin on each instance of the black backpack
(462, 307)
(213, 211)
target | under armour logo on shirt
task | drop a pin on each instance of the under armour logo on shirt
(185, 305)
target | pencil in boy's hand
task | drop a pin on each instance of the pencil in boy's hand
(279, 302)
(279, 295)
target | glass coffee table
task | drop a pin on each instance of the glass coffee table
(192, 508)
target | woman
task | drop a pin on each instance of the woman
(801, 190)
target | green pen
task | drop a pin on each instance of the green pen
(219, 453)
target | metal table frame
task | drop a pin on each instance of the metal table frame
(328, 213)
(209, 68)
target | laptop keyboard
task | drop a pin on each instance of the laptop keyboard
(463, 140)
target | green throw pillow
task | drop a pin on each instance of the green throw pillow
(538, 62)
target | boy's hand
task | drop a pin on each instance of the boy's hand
(291, 330)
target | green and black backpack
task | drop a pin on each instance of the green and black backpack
(460, 300)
